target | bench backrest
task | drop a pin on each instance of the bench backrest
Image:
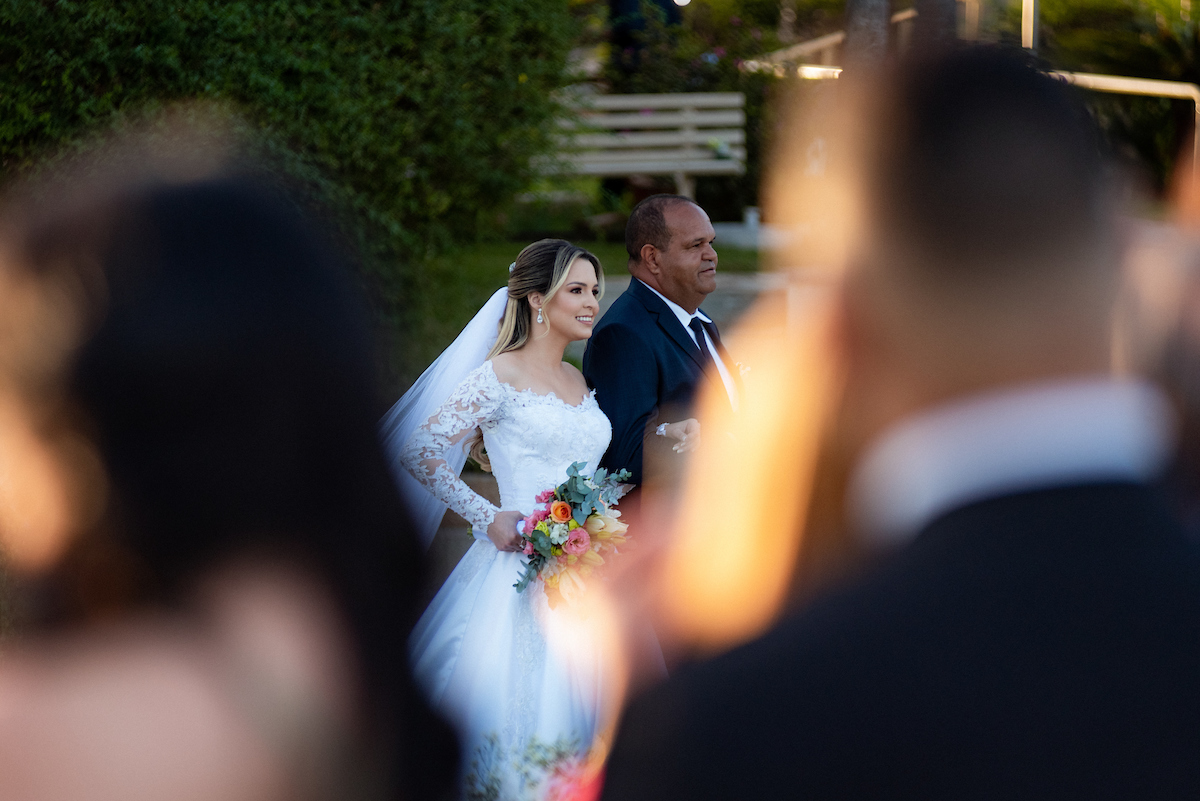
(696, 133)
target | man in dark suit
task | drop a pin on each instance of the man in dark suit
(1031, 628)
(653, 347)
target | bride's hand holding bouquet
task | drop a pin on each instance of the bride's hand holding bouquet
(505, 531)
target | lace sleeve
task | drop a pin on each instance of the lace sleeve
(474, 402)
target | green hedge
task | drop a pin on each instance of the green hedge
(411, 118)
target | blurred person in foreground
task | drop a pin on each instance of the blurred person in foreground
(215, 572)
(1159, 326)
(1031, 626)
(1161, 332)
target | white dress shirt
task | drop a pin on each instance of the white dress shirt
(685, 319)
(1039, 435)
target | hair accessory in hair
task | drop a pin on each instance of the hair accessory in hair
(512, 267)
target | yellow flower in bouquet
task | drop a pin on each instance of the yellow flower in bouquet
(570, 585)
(607, 527)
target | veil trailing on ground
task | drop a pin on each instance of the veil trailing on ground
(468, 351)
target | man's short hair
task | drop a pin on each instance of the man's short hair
(987, 169)
(648, 226)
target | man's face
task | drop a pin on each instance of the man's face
(687, 269)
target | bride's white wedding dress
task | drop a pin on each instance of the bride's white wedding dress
(521, 705)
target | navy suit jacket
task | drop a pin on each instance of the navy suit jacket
(645, 368)
(1040, 645)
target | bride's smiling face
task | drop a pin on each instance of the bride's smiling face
(572, 310)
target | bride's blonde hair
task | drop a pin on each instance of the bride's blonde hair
(541, 267)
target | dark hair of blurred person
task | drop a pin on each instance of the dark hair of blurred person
(990, 256)
(214, 399)
(1030, 623)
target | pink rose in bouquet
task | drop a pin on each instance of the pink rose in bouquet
(531, 522)
(577, 542)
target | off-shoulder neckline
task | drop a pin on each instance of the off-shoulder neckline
(549, 396)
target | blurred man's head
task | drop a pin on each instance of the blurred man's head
(986, 170)
(670, 244)
(988, 255)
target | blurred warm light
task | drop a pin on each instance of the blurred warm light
(739, 517)
(814, 187)
(587, 636)
(34, 507)
(49, 488)
(738, 524)
(1156, 293)
(1159, 293)
(51, 480)
(813, 72)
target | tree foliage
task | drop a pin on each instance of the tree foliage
(409, 118)
(1139, 38)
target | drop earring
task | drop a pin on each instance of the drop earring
(539, 315)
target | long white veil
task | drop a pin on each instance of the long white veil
(466, 352)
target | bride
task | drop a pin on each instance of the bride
(524, 708)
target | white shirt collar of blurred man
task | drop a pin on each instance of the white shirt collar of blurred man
(685, 320)
(1048, 434)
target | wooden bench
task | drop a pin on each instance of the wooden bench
(680, 135)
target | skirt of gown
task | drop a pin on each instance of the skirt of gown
(525, 705)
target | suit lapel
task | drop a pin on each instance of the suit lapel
(674, 329)
(668, 322)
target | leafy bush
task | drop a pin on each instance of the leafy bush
(410, 119)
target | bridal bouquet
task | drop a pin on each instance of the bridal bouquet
(576, 527)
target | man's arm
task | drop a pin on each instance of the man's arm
(621, 367)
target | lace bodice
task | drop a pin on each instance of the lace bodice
(531, 440)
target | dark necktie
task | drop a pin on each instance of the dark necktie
(701, 342)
